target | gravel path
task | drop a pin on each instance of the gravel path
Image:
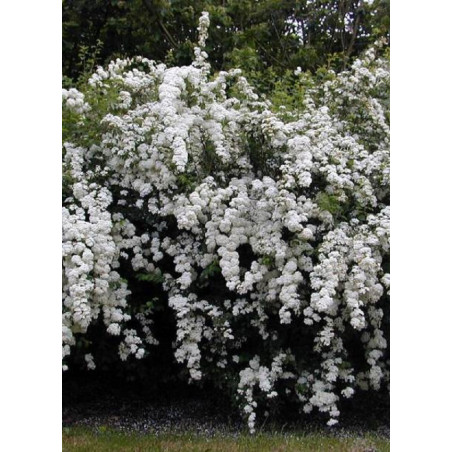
(193, 415)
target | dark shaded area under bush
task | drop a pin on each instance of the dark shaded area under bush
(101, 400)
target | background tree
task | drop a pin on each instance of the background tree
(265, 38)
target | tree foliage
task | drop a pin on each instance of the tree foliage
(264, 38)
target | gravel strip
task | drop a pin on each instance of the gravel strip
(195, 416)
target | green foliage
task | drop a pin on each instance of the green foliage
(328, 202)
(152, 305)
(301, 388)
(88, 132)
(186, 182)
(155, 278)
(268, 261)
(211, 270)
(264, 38)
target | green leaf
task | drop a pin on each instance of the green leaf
(268, 260)
(155, 278)
(301, 388)
(328, 202)
(212, 269)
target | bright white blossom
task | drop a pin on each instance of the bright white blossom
(286, 214)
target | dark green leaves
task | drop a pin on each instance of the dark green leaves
(211, 270)
(155, 278)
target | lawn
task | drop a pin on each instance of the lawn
(90, 440)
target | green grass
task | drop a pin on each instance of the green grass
(83, 439)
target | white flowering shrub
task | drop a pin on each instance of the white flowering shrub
(267, 231)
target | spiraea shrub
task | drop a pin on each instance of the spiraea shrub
(266, 230)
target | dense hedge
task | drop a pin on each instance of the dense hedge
(248, 240)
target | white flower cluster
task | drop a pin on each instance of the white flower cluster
(90, 361)
(264, 378)
(93, 241)
(200, 54)
(74, 100)
(271, 225)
